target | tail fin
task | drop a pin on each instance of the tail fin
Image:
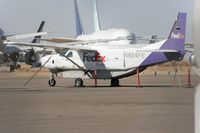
(79, 27)
(2, 39)
(40, 29)
(176, 39)
(2, 35)
(96, 17)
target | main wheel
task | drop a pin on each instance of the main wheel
(12, 68)
(114, 82)
(78, 82)
(52, 82)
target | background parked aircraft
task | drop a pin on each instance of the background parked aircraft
(98, 34)
(12, 53)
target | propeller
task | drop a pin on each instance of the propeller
(36, 72)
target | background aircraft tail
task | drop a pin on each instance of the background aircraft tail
(96, 17)
(2, 39)
(40, 29)
(176, 39)
(79, 27)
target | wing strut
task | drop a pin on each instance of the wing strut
(81, 68)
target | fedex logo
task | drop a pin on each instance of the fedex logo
(177, 36)
(93, 58)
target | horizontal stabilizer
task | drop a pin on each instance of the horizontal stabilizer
(158, 50)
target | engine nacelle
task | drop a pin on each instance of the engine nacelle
(31, 57)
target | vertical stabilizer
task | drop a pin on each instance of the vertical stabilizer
(79, 27)
(176, 39)
(96, 17)
(2, 39)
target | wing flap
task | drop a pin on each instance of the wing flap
(77, 41)
(60, 40)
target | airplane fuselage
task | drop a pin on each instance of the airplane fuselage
(108, 61)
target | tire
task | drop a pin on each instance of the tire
(114, 82)
(12, 68)
(78, 82)
(18, 66)
(52, 82)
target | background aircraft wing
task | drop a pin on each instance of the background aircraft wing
(151, 39)
(23, 36)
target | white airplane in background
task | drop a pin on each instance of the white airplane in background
(100, 60)
(118, 36)
(11, 53)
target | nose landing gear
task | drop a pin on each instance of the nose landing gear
(52, 81)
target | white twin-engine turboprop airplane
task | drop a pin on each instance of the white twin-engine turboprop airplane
(99, 60)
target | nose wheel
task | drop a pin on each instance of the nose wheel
(52, 81)
(78, 82)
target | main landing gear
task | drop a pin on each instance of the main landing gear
(114, 82)
(78, 82)
(13, 67)
(14, 57)
(52, 82)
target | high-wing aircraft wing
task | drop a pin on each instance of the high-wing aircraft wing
(78, 46)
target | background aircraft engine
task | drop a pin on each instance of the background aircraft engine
(31, 57)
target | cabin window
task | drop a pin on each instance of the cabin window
(52, 61)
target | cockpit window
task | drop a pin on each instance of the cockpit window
(70, 54)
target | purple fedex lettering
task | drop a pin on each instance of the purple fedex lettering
(95, 58)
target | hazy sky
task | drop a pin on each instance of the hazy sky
(143, 17)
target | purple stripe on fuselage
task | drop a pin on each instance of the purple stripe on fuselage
(154, 58)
